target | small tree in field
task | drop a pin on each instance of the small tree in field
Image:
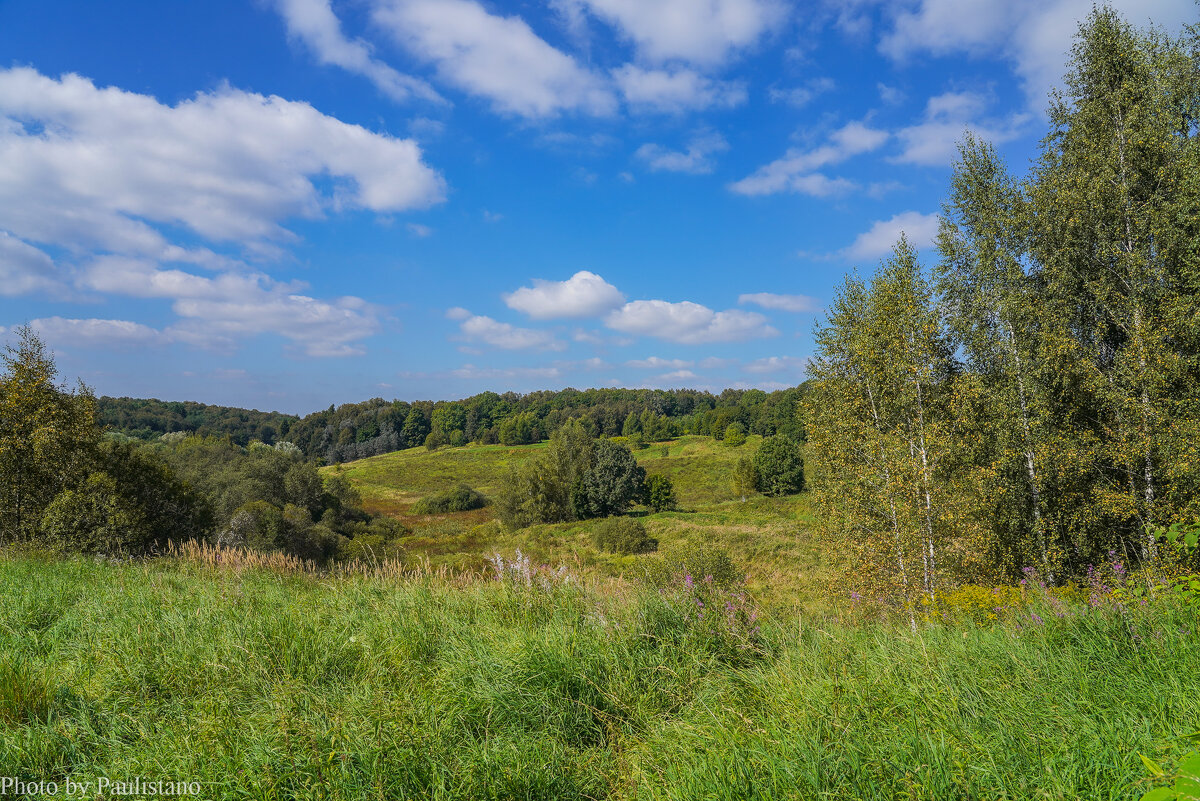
(660, 493)
(745, 478)
(779, 466)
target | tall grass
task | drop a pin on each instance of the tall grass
(264, 683)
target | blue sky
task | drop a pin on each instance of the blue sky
(290, 203)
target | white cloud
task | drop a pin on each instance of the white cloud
(95, 333)
(796, 171)
(25, 269)
(499, 58)
(777, 364)
(677, 376)
(584, 294)
(696, 159)
(486, 331)
(470, 371)
(881, 237)
(94, 171)
(789, 303)
(1034, 36)
(698, 31)
(221, 311)
(675, 91)
(801, 96)
(419, 230)
(657, 363)
(688, 323)
(934, 141)
(314, 23)
(91, 168)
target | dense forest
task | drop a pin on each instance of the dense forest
(373, 427)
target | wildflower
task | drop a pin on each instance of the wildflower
(687, 581)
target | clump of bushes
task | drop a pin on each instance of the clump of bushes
(697, 561)
(460, 499)
(623, 535)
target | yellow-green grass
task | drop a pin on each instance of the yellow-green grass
(771, 538)
(261, 685)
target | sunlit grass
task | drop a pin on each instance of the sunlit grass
(260, 684)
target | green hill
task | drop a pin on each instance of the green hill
(772, 538)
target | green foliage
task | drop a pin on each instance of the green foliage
(660, 493)
(674, 564)
(460, 499)
(47, 436)
(623, 535)
(1185, 779)
(779, 466)
(745, 478)
(611, 483)
(149, 419)
(735, 435)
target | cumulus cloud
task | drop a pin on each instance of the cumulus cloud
(487, 331)
(25, 269)
(777, 364)
(222, 310)
(696, 159)
(699, 31)
(789, 303)
(1034, 36)
(584, 294)
(314, 23)
(95, 333)
(934, 141)
(228, 165)
(675, 91)
(96, 171)
(688, 323)
(797, 170)
(498, 58)
(879, 239)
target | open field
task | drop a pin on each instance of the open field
(261, 685)
(773, 538)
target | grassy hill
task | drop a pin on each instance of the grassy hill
(772, 538)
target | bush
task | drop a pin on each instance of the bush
(735, 435)
(780, 466)
(460, 499)
(660, 493)
(623, 535)
(697, 561)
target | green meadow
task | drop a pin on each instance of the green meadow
(773, 539)
(263, 683)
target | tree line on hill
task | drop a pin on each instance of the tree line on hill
(67, 486)
(374, 427)
(1033, 401)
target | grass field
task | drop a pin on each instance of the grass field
(261, 685)
(771, 537)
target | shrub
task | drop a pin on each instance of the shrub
(735, 435)
(698, 561)
(660, 493)
(460, 499)
(623, 535)
(779, 465)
